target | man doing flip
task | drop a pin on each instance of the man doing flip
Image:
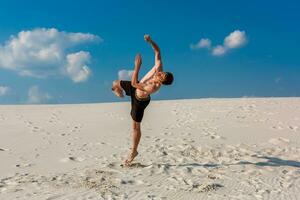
(140, 91)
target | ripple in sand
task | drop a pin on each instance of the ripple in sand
(278, 141)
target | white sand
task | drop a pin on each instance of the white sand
(190, 149)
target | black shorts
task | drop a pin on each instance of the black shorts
(137, 105)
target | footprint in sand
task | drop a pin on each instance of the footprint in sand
(294, 128)
(277, 127)
(28, 123)
(127, 181)
(212, 135)
(72, 158)
(3, 149)
(167, 133)
(33, 128)
(211, 132)
(76, 128)
(175, 112)
(54, 118)
(23, 165)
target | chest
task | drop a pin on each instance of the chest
(149, 89)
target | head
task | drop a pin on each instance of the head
(166, 78)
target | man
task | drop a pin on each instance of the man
(140, 92)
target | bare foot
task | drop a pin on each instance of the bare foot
(117, 92)
(130, 158)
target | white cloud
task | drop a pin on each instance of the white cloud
(203, 43)
(219, 50)
(4, 90)
(35, 96)
(76, 66)
(125, 74)
(234, 40)
(44, 52)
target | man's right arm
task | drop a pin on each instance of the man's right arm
(158, 63)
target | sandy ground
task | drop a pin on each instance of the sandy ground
(247, 148)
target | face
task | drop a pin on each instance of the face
(160, 76)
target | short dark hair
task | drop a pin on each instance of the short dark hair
(169, 78)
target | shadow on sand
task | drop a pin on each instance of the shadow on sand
(268, 161)
(273, 162)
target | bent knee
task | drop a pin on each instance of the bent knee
(116, 83)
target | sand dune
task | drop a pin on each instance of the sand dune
(247, 148)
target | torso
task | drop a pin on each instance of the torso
(150, 88)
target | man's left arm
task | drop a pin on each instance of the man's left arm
(137, 67)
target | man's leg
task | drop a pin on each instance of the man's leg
(136, 136)
(117, 89)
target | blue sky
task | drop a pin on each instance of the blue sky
(108, 34)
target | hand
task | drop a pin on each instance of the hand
(147, 38)
(138, 62)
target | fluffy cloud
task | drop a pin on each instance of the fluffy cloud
(44, 52)
(125, 74)
(76, 66)
(35, 96)
(219, 50)
(234, 40)
(203, 43)
(3, 90)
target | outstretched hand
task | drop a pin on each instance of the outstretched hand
(138, 62)
(147, 38)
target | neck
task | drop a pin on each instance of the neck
(157, 82)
